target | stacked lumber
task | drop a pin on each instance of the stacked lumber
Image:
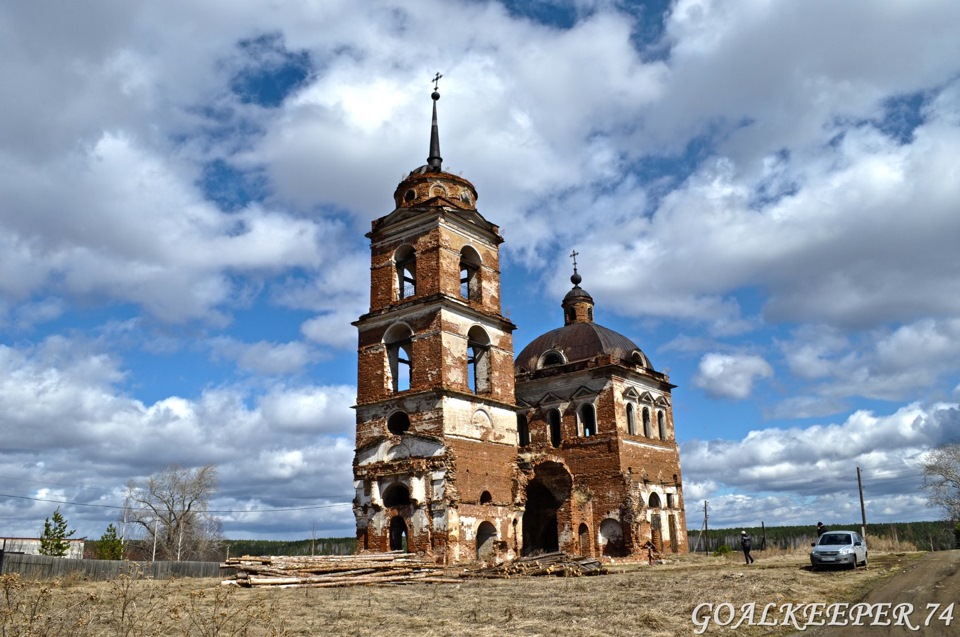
(325, 571)
(558, 563)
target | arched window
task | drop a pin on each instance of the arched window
(523, 430)
(631, 420)
(551, 358)
(398, 340)
(654, 501)
(478, 360)
(396, 495)
(588, 418)
(405, 259)
(571, 314)
(647, 430)
(553, 421)
(485, 497)
(398, 423)
(661, 425)
(470, 274)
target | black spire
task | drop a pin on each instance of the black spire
(434, 160)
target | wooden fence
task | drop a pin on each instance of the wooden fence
(43, 567)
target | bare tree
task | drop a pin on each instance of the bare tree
(173, 508)
(941, 478)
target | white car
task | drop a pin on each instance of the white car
(843, 548)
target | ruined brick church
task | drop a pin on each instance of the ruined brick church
(465, 453)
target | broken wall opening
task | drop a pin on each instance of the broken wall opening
(546, 494)
(398, 534)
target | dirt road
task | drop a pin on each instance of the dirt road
(924, 599)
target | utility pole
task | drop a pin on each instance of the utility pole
(706, 529)
(863, 510)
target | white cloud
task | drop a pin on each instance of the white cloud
(62, 412)
(731, 375)
(264, 357)
(791, 476)
(745, 182)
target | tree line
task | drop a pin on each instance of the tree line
(167, 517)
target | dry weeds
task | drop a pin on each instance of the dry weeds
(634, 599)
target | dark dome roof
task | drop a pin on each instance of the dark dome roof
(579, 341)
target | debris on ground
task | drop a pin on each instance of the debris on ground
(558, 563)
(326, 571)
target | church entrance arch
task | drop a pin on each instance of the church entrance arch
(546, 494)
(486, 541)
(398, 534)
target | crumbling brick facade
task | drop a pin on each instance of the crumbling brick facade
(465, 454)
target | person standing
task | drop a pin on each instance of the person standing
(820, 529)
(745, 544)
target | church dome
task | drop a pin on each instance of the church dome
(580, 339)
(579, 342)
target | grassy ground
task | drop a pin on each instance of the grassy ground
(634, 599)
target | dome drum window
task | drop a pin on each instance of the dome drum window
(553, 426)
(588, 420)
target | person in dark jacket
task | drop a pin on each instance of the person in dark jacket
(820, 529)
(745, 544)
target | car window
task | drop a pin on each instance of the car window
(835, 538)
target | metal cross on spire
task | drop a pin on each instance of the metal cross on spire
(576, 278)
(436, 79)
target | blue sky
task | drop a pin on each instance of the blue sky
(764, 196)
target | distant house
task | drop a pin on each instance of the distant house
(31, 546)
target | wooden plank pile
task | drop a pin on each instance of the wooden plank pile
(558, 563)
(325, 571)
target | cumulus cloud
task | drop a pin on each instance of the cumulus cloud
(814, 468)
(63, 411)
(731, 375)
(266, 358)
(727, 182)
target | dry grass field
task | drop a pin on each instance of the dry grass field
(634, 599)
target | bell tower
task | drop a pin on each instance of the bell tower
(436, 416)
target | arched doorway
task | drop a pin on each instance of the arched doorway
(486, 540)
(583, 534)
(546, 494)
(656, 530)
(611, 537)
(398, 534)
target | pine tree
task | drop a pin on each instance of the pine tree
(53, 540)
(110, 546)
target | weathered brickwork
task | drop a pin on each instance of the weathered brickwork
(464, 453)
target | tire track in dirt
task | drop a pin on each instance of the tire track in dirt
(932, 579)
